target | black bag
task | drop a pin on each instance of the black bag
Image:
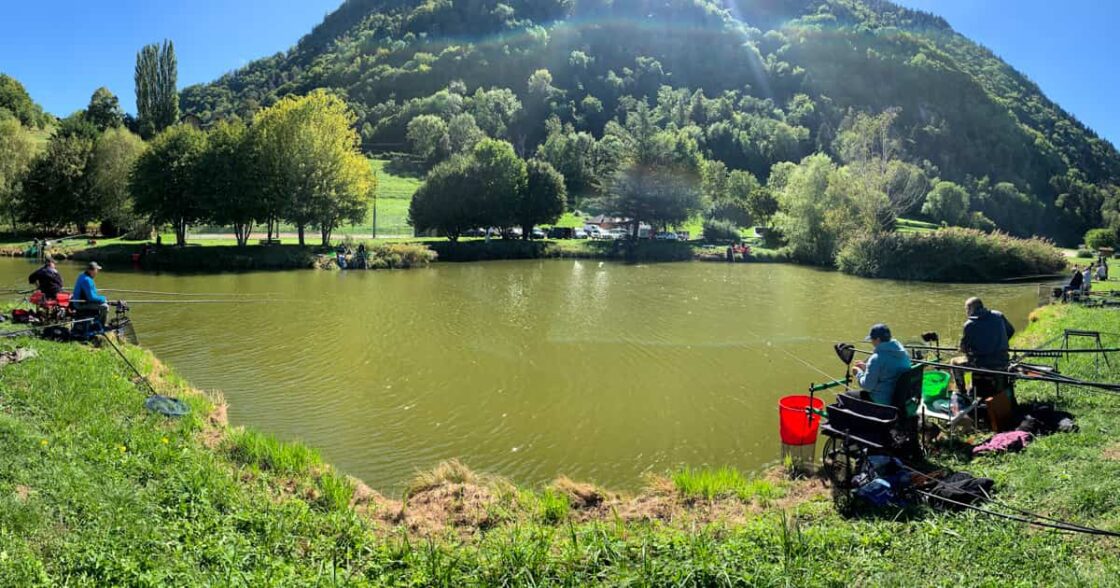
(961, 487)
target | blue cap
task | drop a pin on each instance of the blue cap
(879, 331)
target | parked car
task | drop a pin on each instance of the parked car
(478, 232)
(537, 233)
(596, 232)
(619, 234)
(579, 234)
(667, 236)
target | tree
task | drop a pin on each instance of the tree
(947, 203)
(17, 151)
(498, 179)
(114, 154)
(306, 155)
(659, 181)
(164, 181)
(543, 199)
(56, 192)
(463, 133)
(444, 202)
(16, 101)
(104, 110)
(805, 210)
(428, 136)
(225, 180)
(157, 97)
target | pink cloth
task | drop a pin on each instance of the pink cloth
(1004, 442)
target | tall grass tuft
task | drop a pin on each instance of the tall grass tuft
(335, 492)
(707, 484)
(268, 453)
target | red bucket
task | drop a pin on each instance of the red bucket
(795, 427)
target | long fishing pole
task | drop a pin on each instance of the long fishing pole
(155, 293)
(131, 302)
(1024, 351)
(1114, 388)
(35, 329)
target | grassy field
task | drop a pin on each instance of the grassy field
(95, 490)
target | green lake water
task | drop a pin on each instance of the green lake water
(528, 369)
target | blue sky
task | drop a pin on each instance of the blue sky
(62, 50)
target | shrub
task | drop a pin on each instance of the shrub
(721, 230)
(1097, 238)
(949, 255)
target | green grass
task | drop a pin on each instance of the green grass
(708, 484)
(95, 490)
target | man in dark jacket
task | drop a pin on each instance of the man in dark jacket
(985, 340)
(47, 280)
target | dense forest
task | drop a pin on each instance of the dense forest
(751, 82)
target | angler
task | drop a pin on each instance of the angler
(984, 342)
(47, 279)
(85, 299)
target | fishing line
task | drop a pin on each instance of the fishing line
(828, 376)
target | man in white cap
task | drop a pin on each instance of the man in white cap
(85, 296)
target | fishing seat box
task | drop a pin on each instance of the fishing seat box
(860, 421)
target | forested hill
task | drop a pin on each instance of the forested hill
(753, 82)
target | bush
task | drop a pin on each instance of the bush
(721, 230)
(1097, 238)
(949, 255)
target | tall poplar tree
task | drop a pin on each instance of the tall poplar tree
(157, 98)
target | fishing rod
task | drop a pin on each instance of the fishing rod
(1025, 351)
(131, 302)
(155, 293)
(35, 329)
(1053, 379)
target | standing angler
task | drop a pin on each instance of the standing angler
(984, 342)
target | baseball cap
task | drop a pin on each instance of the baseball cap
(93, 265)
(879, 331)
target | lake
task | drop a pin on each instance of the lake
(528, 369)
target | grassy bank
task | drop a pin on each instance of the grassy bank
(94, 490)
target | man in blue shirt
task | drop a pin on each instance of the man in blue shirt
(85, 296)
(879, 375)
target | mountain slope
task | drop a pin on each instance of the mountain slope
(755, 82)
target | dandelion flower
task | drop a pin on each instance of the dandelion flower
(165, 441)
(44, 442)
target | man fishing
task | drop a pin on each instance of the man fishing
(879, 375)
(47, 279)
(85, 296)
(984, 342)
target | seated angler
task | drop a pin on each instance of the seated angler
(85, 297)
(47, 280)
(984, 342)
(878, 376)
